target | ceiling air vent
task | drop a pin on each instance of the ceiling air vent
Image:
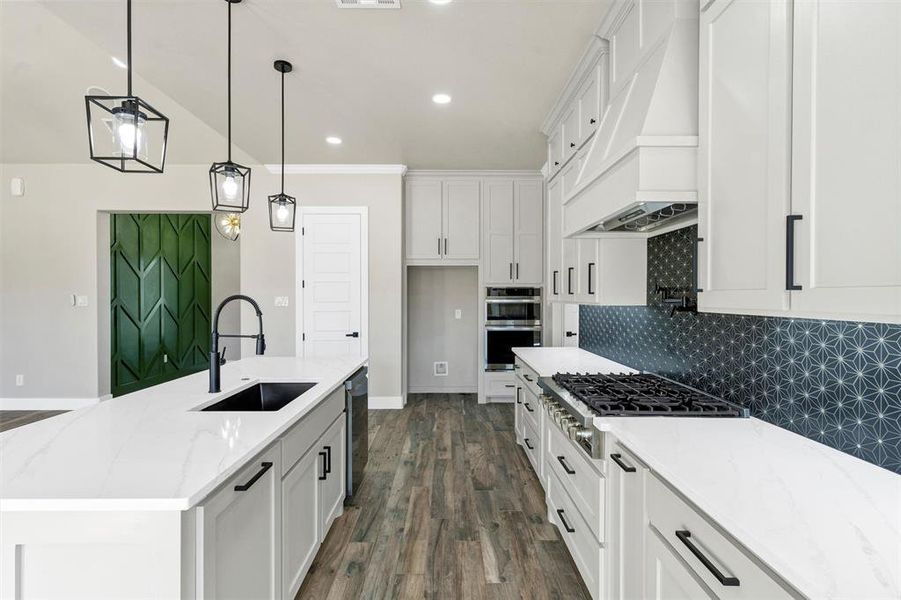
(368, 3)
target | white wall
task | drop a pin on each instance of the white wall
(433, 294)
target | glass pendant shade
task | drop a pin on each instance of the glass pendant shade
(281, 212)
(228, 225)
(230, 187)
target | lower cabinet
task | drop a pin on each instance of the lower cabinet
(666, 576)
(331, 482)
(627, 501)
(300, 523)
(240, 535)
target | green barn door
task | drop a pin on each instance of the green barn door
(160, 290)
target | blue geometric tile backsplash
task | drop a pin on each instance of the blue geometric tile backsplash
(835, 382)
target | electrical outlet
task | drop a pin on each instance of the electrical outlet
(20, 380)
(458, 314)
(441, 369)
(281, 301)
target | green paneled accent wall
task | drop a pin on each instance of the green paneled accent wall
(160, 290)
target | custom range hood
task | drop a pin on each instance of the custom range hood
(640, 172)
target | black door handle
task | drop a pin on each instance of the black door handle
(617, 458)
(571, 334)
(246, 486)
(328, 459)
(511, 270)
(728, 581)
(355, 334)
(556, 293)
(518, 399)
(790, 220)
(590, 269)
(528, 445)
(569, 279)
(517, 270)
(569, 470)
(445, 246)
(324, 475)
(563, 520)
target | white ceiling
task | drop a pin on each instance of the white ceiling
(364, 75)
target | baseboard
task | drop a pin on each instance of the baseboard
(386, 402)
(48, 403)
(474, 389)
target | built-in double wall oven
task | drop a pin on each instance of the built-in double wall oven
(512, 320)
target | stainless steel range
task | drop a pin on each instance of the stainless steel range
(573, 400)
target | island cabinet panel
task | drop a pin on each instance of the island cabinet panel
(331, 481)
(666, 575)
(628, 515)
(301, 529)
(240, 545)
(302, 436)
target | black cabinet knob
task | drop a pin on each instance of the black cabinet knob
(572, 144)
(592, 121)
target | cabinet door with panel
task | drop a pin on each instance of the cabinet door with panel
(554, 241)
(422, 220)
(528, 237)
(555, 150)
(462, 212)
(666, 576)
(590, 104)
(572, 135)
(301, 533)
(628, 519)
(744, 154)
(241, 533)
(498, 227)
(586, 290)
(331, 479)
(846, 152)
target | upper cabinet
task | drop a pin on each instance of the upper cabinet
(800, 213)
(592, 100)
(554, 241)
(513, 218)
(441, 220)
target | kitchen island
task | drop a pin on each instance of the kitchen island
(147, 495)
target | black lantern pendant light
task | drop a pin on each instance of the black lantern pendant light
(229, 181)
(124, 132)
(282, 206)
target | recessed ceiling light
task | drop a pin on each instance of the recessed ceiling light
(441, 99)
(119, 63)
(333, 140)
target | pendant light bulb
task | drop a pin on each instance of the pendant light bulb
(282, 213)
(230, 186)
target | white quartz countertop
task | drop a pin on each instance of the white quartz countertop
(151, 450)
(827, 522)
(549, 361)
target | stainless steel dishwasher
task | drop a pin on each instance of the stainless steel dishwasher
(356, 393)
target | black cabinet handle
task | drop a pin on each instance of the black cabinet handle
(528, 445)
(328, 459)
(556, 163)
(554, 278)
(324, 475)
(517, 270)
(529, 379)
(563, 520)
(569, 280)
(685, 537)
(528, 408)
(694, 264)
(571, 334)
(511, 270)
(244, 487)
(592, 121)
(790, 220)
(445, 246)
(355, 334)
(569, 470)
(439, 245)
(591, 266)
(509, 385)
(618, 459)
(518, 398)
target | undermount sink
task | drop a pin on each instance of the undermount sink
(261, 397)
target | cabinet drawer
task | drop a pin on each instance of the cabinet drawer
(304, 434)
(530, 408)
(692, 537)
(584, 484)
(586, 552)
(528, 378)
(532, 444)
(500, 384)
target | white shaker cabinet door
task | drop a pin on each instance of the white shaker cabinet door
(744, 155)
(462, 213)
(300, 520)
(422, 220)
(528, 221)
(331, 479)
(498, 227)
(666, 576)
(241, 534)
(554, 241)
(628, 508)
(846, 180)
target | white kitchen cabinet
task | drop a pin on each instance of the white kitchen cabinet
(846, 152)
(441, 220)
(628, 519)
(513, 216)
(666, 576)
(572, 136)
(554, 241)
(555, 150)
(586, 290)
(422, 222)
(744, 155)
(592, 100)
(331, 479)
(301, 534)
(570, 251)
(241, 533)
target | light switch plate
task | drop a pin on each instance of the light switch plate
(281, 301)
(441, 369)
(81, 301)
(458, 314)
(20, 380)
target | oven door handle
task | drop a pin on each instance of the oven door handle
(514, 300)
(512, 327)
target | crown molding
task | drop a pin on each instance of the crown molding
(451, 173)
(596, 49)
(350, 169)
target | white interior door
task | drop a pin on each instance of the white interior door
(332, 284)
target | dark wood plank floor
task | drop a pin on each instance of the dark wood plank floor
(449, 508)
(10, 419)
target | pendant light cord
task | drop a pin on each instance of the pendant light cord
(128, 43)
(283, 133)
(229, 81)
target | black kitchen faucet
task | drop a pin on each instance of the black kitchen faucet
(217, 359)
